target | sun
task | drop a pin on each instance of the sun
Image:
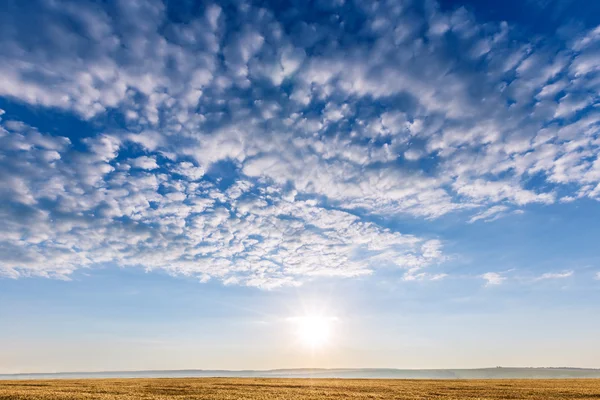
(314, 331)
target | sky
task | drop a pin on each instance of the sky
(185, 184)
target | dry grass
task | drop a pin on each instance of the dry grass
(296, 389)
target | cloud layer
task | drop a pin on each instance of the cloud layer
(259, 145)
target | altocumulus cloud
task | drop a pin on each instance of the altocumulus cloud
(259, 145)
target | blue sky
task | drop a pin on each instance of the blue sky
(180, 180)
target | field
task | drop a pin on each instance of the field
(296, 389)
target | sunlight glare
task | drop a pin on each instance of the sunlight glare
(314, 331)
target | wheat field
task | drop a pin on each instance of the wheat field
(296, 389)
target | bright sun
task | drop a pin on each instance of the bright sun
(314, 331)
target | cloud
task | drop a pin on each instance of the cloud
(84, 209)
(144, 162)
(262, 147)
(555, 275)
(424, 276)
(490, 214)
(493, 278)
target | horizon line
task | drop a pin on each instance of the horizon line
(300, 369)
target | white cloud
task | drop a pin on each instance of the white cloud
(555, 275)
(144, 162)
(589, 38)
(490, 214)
(424, 276)
(249, 233)
(189, 170)
(493, 278)
(234, 113)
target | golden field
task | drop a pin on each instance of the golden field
(254, 388)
